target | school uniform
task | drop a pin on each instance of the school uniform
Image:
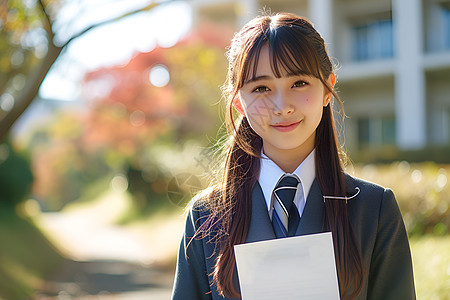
(374, 215)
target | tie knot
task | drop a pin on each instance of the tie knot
(285, 191)
(288, 181)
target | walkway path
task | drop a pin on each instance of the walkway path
(108, 280)
(107, 261)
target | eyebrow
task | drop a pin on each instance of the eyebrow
(257, 78)
(265, 77)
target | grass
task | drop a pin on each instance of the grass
(26, 256)
(431, 260)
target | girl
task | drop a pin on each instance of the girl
(281, 82)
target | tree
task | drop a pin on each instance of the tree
(30, 43)
(129, 119)
(127, 108)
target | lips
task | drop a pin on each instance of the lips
(286, 126)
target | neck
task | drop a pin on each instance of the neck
(288, 160)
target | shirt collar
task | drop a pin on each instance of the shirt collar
(270, 173)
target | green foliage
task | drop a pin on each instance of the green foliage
(62, 167)
(431, 261)
(198, 70)
(15, 176)
(422, 191)
(26, 257)
(23, 42)
(118, 131)
(389, 154)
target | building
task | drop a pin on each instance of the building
(394, 58)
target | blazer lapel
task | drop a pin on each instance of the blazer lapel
(260, 228)
(312, 217)
(311, 222)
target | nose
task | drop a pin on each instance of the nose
(281, 105)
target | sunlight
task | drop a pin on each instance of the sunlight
(159, 76)
(115, 44)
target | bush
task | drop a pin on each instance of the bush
(15, 176)
(422, 191)
(389, 154)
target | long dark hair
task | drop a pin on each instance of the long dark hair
(295, 48)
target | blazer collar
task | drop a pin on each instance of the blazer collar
(260, 228)
(312, 218)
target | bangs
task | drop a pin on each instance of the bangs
(289, 50)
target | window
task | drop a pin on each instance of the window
(373, 41)
(364, 133)
(446, 23)
(388, 131)
(376, 131)
(446, 127)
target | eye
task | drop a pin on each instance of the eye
(261, 89)
(299, 83)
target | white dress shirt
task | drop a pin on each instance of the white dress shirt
(270, 174)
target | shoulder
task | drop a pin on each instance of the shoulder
(364, 185)
(370, 195)
(367, 190)
(374, 203)
(201, 206)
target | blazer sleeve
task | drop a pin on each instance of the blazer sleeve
(391, 273)
(191, 279)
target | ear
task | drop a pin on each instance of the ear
(328, 95)
(238, 105)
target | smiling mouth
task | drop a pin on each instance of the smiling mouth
(285, 127)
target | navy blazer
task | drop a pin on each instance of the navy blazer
(376, 221)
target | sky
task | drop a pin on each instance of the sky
(112, 44)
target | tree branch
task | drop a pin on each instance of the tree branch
(29, 93)
(36, 77)
(48, 24)
(77, 35)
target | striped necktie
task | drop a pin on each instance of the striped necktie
(285, 217)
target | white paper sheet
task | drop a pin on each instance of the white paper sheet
(301, 267)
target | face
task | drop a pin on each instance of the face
(284, 112)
